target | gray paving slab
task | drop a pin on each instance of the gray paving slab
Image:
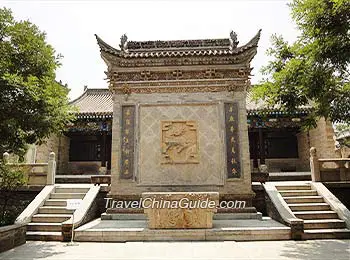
(304, 250)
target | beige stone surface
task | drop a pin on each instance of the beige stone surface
(180, 210)
(60, 146)
(152, 167)
(240, 186)
(321, 138)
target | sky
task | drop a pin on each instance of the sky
(70, 26)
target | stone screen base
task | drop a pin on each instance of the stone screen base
(185, 210)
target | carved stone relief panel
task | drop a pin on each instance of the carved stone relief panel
(179, 142)
(195, 145)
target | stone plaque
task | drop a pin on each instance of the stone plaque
(232, 140)
(128, 141)
(179, 142)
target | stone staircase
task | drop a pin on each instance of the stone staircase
(46, 224)
(320, 221)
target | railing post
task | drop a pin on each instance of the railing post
(6, 157)
(314, 165)
(342, 171)
(51, 171)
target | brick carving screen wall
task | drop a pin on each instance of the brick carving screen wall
(206, 118)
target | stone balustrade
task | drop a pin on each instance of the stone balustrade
(36, 173)
(328, 169)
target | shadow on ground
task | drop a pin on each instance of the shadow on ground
(318, 249)
(36, 250)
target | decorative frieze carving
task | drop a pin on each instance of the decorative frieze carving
(174, 86)
(92, 126)
(178, 74)
(179, 142)
(148, 90)
(232, 140)
(275, 122)
(127, 142)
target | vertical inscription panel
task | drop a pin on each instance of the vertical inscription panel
(232, 140)
(128, 142)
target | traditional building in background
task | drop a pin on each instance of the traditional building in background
(190, 67)
(285, 146)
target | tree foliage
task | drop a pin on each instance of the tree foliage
(11, 178)
(33, 104)
(314, 70)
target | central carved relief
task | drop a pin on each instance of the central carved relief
(179, 142)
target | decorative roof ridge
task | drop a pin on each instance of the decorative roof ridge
(179, 49)
(276, 109)
(230, 46)
(178, 44)
(96, 113)
(93, 90)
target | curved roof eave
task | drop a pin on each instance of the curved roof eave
(253, 43)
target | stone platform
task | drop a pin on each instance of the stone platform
(223, 229)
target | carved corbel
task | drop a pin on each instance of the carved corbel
(126, 90)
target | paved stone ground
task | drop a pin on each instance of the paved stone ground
(311, 249)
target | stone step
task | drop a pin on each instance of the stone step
(44, 236)
(293, 187)
(52, 227)
(294, 193)
(124, 216)
(50, 218)
(230, 216)
(129, 233)
(54, 210)
(304, 199)
(56, 202)
(309, 206)
(323, 223)
(326, 233)
(67, 195)
(71, 190)
(316, 214)
(291, 176)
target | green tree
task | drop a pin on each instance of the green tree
(33, 104)
(314, 70)
(343, 130)
(11, 178)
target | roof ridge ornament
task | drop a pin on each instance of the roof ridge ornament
(123, 42)
(233, 40)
